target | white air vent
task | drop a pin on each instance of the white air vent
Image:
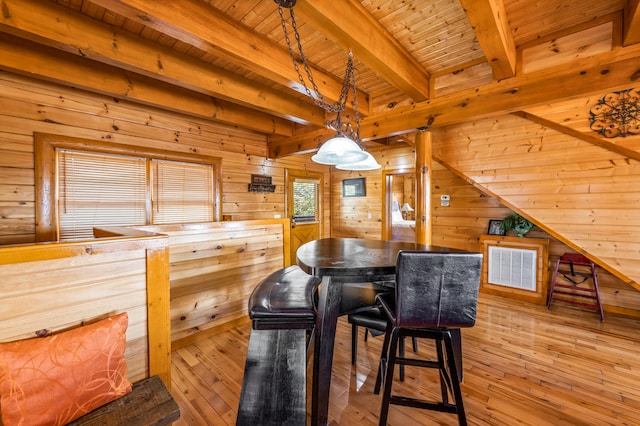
(512, 267)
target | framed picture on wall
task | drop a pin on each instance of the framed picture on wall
(354, 187)
(495, 227)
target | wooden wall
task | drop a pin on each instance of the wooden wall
(214, 267)
(583, 194)
(52, 287)
(461, 224)
(28, 106)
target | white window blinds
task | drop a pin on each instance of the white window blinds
(182, 192)
(99, 190)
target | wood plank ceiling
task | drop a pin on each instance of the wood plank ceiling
(227, 59)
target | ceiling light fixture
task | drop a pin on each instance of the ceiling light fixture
(344, 150)
(369, 164)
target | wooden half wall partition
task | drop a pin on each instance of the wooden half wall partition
(51, 287)
(214, 267)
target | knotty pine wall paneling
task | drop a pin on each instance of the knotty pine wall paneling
(28, 105)
(356, 217)
(214, 267)
(461, 224)
(583, 195)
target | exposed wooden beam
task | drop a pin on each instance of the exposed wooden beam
(592, 139)
(56, 26)
(489, 21)
(25, 57)
(203, 26)
(610, 70)
(631, 23)
(617, 68)
(352, 26)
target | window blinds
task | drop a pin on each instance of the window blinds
(112, 190)
(182, 192)
(99, 190)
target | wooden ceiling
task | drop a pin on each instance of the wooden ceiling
(419, 63)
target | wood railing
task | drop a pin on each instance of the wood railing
(49, 287)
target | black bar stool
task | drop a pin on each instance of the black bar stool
(375, 323)
(434, 292)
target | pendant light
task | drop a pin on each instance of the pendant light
(344, 150)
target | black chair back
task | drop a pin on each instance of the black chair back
(436, 290)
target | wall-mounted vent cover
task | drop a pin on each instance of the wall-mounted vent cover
(512, 267)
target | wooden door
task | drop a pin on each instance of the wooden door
(304, 207)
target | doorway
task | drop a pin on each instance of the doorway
(304, 207)
(399, 203)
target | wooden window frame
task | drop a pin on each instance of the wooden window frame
(46, 174)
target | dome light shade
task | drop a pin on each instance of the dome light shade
(406, 208)
(369, 163)
(339, 150)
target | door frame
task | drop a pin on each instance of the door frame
(387, 198)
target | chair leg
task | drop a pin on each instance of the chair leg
(401, 350)
(455, 383)
(311, 334)
(597, 291)
(383, 360)
(553, 284)
(354, 344)
(386, 396)
(414, 341)
(445, 381)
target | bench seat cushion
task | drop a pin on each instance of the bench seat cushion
(286, 295)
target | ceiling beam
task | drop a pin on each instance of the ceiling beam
(610, 70)
(631, 23)
(617, 68)
(204, 27)
(351, 26)
(55, 26)
(28, 58)
(488, 19)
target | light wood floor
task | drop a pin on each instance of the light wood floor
(522, 365)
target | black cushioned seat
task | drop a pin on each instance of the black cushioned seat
(284, 300)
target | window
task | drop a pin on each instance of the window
(182, 192)
(99, 189)
(305, 200)
(83, 184)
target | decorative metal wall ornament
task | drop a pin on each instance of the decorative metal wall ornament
(617, 114)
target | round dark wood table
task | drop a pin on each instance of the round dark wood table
(353, 271)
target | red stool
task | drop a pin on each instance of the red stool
(575, 269)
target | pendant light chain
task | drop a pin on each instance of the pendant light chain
(345, 150)
(317, 97)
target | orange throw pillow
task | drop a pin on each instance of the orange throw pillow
(56, 379)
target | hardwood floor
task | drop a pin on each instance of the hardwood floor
(523, 365)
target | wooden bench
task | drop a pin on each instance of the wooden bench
(148, 403)
(282, 307)
(274, 383)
